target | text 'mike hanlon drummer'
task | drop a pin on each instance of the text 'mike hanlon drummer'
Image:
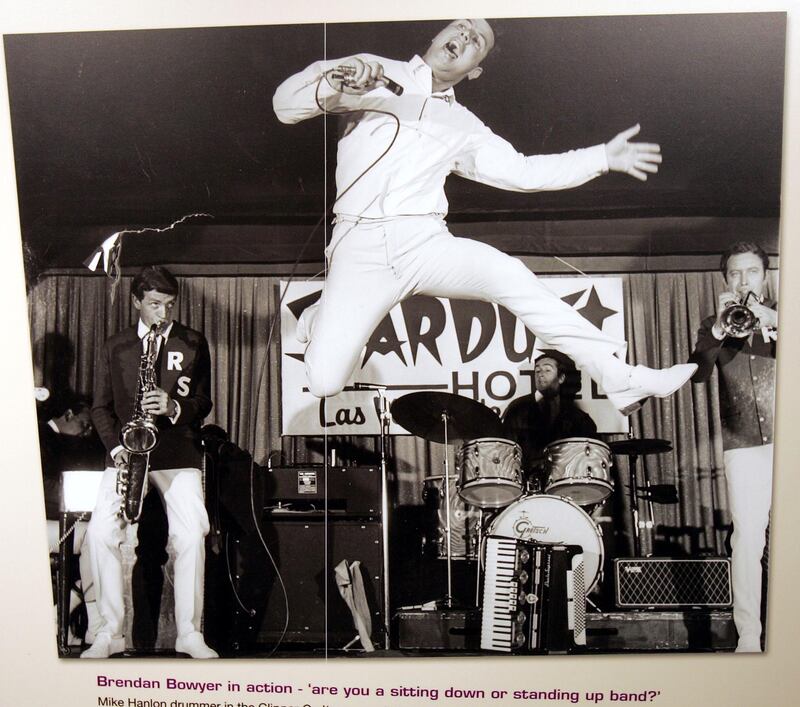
(390, 240)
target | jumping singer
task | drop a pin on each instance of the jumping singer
(179, 402)
(390, 240)
(745, 360)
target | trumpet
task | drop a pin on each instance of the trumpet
(139, 436)
(737, 319)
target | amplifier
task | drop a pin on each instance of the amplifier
(672, 582)
(442, 629)
(661, 630)
(306, 550)
(352, 490)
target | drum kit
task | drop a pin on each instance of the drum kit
(488, 495)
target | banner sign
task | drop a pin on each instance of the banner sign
(467, 347)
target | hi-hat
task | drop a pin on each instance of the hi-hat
(422, 414)
(640, 446)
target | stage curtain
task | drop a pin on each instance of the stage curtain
(71, 316)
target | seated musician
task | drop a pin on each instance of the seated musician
(67, 442)
(549, 413)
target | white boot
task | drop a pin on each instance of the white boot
(749, 644)
(194, 645)
(647, 382)
(104, 646)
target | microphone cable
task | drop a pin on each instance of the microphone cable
(276, 318)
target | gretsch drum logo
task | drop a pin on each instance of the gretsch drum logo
(524, 529)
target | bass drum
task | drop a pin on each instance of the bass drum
(553, 520)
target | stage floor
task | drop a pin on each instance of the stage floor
(450, 633)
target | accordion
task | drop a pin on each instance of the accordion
(534, 597)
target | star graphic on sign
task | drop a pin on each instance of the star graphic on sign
(594, 310)
(573, 297)
(297, 307)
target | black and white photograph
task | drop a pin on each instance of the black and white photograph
(430, 339)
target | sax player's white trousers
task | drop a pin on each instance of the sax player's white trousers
(748, 476)
(376, 264)
(182, 494)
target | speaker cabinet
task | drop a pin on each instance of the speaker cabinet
(441, 629)
(657, 630)
(664, 582)
(306, 550)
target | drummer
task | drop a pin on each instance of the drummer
(548, 414)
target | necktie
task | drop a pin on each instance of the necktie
(160, 346)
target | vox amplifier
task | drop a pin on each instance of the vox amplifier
(663, 582)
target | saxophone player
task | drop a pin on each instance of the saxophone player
(176, 403)
(745, 360)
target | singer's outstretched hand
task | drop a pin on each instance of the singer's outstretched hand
(355, 76)
(634, 158)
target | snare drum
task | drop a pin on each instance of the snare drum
(553, 520)
(464, 522)
(579, 468)
(490, 472)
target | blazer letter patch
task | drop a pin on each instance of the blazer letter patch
(183, 385)
(174, 360)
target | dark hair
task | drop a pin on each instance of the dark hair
(739, 248)
(154, 277)
(564, 364)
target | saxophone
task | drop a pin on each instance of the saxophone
(139, 436)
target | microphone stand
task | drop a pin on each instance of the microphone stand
(385, 421)
(448, 599)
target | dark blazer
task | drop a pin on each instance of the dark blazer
(526, 423)
(746, 383)
(183, 371)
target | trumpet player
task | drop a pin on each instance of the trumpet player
(740, 340)
(173, 405)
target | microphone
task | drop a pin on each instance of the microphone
(369, 386)
(394, 87)
(344, 73)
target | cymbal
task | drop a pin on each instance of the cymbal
(640, 446)
(421, 414)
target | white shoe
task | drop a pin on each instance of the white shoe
(195, 646)
(104, 646)
(748, 645)
(647, 382)
(305, 323)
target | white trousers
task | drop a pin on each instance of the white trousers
(748, 473)
(182, 493)
(374, 265)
